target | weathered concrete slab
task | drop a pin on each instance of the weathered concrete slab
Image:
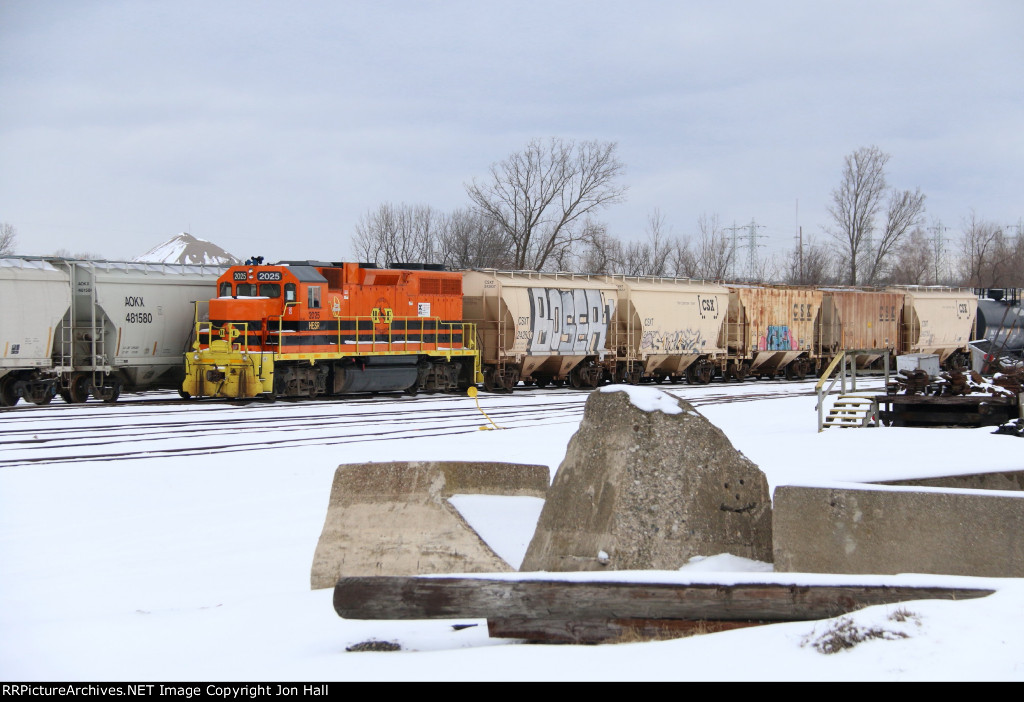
(1009, 480)
(886, 531)
(643, 489)
(395, 518)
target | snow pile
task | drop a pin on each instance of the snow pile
(185, 248)
(647, 399)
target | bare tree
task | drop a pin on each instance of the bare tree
(469, 239)
(903, 213)
(714, 255)
(398, 234)
(979, 247)
(542, 195)
(855, 204)
(8, 237)
(683, 262)
(915, 264)
(809, 263)
(77, 255)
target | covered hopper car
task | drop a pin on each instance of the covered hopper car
(76, 328)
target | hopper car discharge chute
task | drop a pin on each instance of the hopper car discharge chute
(310, 328)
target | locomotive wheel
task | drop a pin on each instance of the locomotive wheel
(8, 398)
(78, 388)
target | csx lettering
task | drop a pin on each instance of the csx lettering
(133, 302)
(708, 304)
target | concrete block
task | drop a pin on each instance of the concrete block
(898, 530)
(395, 518)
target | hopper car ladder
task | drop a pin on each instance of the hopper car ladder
(90, 329)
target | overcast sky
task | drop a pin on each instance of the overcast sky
(270, 128)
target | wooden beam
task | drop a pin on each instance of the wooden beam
(411, 597)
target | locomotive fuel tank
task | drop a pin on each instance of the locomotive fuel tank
(666, 327)
(540, 327)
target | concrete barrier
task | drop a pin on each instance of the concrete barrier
(887, 530)
(395, 518)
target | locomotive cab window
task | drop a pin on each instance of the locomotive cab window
(289, 292)
(225, 289)
(314, 297)
(246, 289)
(271, 290)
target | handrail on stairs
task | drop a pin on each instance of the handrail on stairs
(842, 359)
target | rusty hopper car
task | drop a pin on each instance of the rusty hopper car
(667, 328)
(541, 328)
(309, 328)
(770, 329)
(937, 321)
(110, 326)
(853, 319)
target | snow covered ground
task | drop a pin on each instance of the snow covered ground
(144, 542)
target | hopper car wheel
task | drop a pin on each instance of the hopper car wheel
(541, 381)
(8, 398)
(78, 388)
(795, 371)
(575, 378)
(491, 383)
(701, 373)
(107, 393)
(43, 399)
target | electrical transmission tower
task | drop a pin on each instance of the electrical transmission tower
(752, 246)
(734, 250)
(939, 252)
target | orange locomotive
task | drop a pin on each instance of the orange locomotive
(310, 328)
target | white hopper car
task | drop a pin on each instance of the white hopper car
(76, 328)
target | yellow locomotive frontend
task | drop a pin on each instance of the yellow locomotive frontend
(223, 367)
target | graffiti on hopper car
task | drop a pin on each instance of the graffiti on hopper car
(680, 341)
(569, 322)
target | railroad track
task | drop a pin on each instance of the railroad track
(164, 425)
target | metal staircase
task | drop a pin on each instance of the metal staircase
(850, 409)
